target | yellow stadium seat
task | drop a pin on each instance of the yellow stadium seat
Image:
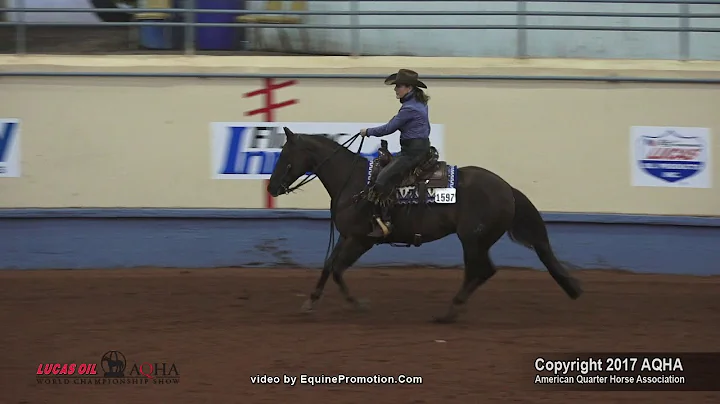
(153, 4)
(149, 16)
(274, 5)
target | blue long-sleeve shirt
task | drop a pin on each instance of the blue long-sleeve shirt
(412, 121)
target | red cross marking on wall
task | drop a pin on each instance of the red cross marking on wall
(268, 111)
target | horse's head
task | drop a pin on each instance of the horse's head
(292, 163)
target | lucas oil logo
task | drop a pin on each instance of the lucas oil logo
(671, 157)
(250, 150)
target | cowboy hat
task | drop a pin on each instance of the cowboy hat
(405, 77)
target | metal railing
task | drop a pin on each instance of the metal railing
(521, 13)
(311, 76)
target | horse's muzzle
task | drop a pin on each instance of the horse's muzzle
(277, 191)
(273, 191)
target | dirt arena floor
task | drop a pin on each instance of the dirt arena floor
(220, 327)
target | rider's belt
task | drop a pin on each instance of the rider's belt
(415, 144)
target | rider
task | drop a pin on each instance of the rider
(414, 125)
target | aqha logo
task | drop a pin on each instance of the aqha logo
(671, 156)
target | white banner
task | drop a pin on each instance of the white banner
(670, 157)
(9, 147)
(249, 150)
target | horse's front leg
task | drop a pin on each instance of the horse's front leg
(346, 252)
(353, 250)
(324, 276)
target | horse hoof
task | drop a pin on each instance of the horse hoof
(451, 315)
(575, 290)
(307, 307)
(360, 305)
(445, 319)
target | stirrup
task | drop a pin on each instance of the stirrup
(385, 227)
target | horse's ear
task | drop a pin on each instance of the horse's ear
(289, 134)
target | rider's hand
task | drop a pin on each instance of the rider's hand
(363, 132)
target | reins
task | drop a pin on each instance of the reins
(310, 177)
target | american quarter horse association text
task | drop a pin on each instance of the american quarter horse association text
(484, 208)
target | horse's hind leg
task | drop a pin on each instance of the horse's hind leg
(346, 252)
(478, 269)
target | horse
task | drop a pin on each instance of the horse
(485, 208)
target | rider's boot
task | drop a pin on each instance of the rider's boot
(382, 226)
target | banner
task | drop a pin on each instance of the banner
(9, 147)
(670, 157)
(249, 150)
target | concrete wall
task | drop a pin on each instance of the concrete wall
(136, 143)
(144, 142)
(125, 238)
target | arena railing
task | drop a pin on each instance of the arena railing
(521, 13)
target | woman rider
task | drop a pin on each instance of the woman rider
(414, 125)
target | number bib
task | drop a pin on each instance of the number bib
(445, 195)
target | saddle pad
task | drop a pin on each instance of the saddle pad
(408, 195)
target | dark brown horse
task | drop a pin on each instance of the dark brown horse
(486, 207)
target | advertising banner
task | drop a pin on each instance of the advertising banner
(9, 147)
(670, 157)
(249, 150)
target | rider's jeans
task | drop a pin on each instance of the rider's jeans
(412, 151)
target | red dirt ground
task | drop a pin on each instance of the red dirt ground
(222, 326)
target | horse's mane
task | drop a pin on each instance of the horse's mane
(323, 140)
(329, 143)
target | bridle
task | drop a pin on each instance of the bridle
(287, 188)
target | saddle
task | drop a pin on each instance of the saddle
(431, 172)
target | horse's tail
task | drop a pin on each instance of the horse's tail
(528, 229)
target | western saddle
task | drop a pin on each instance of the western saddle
(431, 172)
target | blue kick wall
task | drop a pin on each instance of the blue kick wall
(189, 238)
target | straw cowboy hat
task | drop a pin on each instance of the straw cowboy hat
(405, 77)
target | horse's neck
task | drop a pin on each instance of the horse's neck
(342, 174)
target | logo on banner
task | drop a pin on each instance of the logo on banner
(249, 150)
(114, 368)
(9, 147)
(671, 157)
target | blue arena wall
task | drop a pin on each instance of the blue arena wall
(200, 238)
